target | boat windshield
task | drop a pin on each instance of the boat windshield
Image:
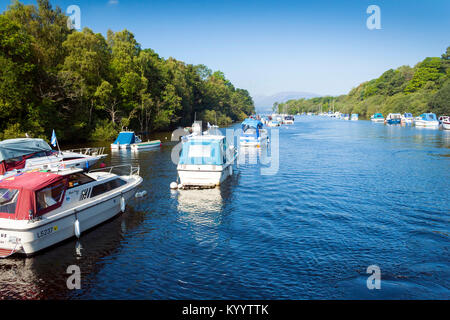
(8, 200)
(50, 196)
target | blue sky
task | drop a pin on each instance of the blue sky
(266, 47)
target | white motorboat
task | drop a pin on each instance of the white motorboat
(205, 161)
(354, 117)
(393, 118)
(124, 140)
(41, 209)
(18, 155)
(288, 120)
(445, 122)
(407, 119)
(377, 118)
(427, 120)
(253, 134)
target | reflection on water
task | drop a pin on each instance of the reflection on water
(198, 201)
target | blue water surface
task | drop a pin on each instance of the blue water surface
(343, 195)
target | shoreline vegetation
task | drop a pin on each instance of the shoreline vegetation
(419, 89)
(88, 87)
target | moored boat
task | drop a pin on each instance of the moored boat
(354, 117)
(427, 120)
(407, 119)
(346, 116)
(445, 122)
(124, 140)
(393, 118)
(24, 154)
(253, 134)
(41, 209)
(146, 145)
(205, 161)
(288, 120)
(377, 118)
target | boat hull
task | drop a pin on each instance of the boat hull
(446, 125)
(428, 124)
(207, 176)
(378, 120)
(393, 121)
(144, 145)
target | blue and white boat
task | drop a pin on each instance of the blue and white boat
(354, 117)
(124, 140)
(253, 133)
(393, 118)
(377, 117)
(346, 116)
(428, 120)
(205, 161)
(407, 119)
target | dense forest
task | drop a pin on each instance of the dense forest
(423, 88)
(87, 87)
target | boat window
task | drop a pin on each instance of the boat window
(107, 186)
(8, 200)
(78, 179)
(50, 196)
(199, 151)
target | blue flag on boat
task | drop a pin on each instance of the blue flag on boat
(53, 140)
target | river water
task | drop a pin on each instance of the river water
(343, 196)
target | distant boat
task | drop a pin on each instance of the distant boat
(346, 116)
(288, 120)
(377, 117)
(205, 161)
(124, 140)
(354, 117)
(407, 119)
(427, 120)
(146, 145)
(445, 122)
(393, 118)
(253, 134)
(273, 123)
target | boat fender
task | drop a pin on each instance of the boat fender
(180, 186)
(173, 185)
(77, 228)
(140, 194)
(122, 204)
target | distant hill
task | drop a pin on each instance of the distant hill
(265, 103)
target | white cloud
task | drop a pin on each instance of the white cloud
(113, 2)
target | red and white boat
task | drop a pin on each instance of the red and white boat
(445, 122)
(40, 209)
(18, 155)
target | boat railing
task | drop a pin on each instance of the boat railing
(134, 170)
(96, 151)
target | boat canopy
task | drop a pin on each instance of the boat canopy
(15, 148)
(31, 193)
(378, 115)
(203, 151)
(428, 116)
(125, 137)
(251, 123)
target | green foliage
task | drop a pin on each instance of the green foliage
(87, 87)
(424, 88)
(104, 131)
